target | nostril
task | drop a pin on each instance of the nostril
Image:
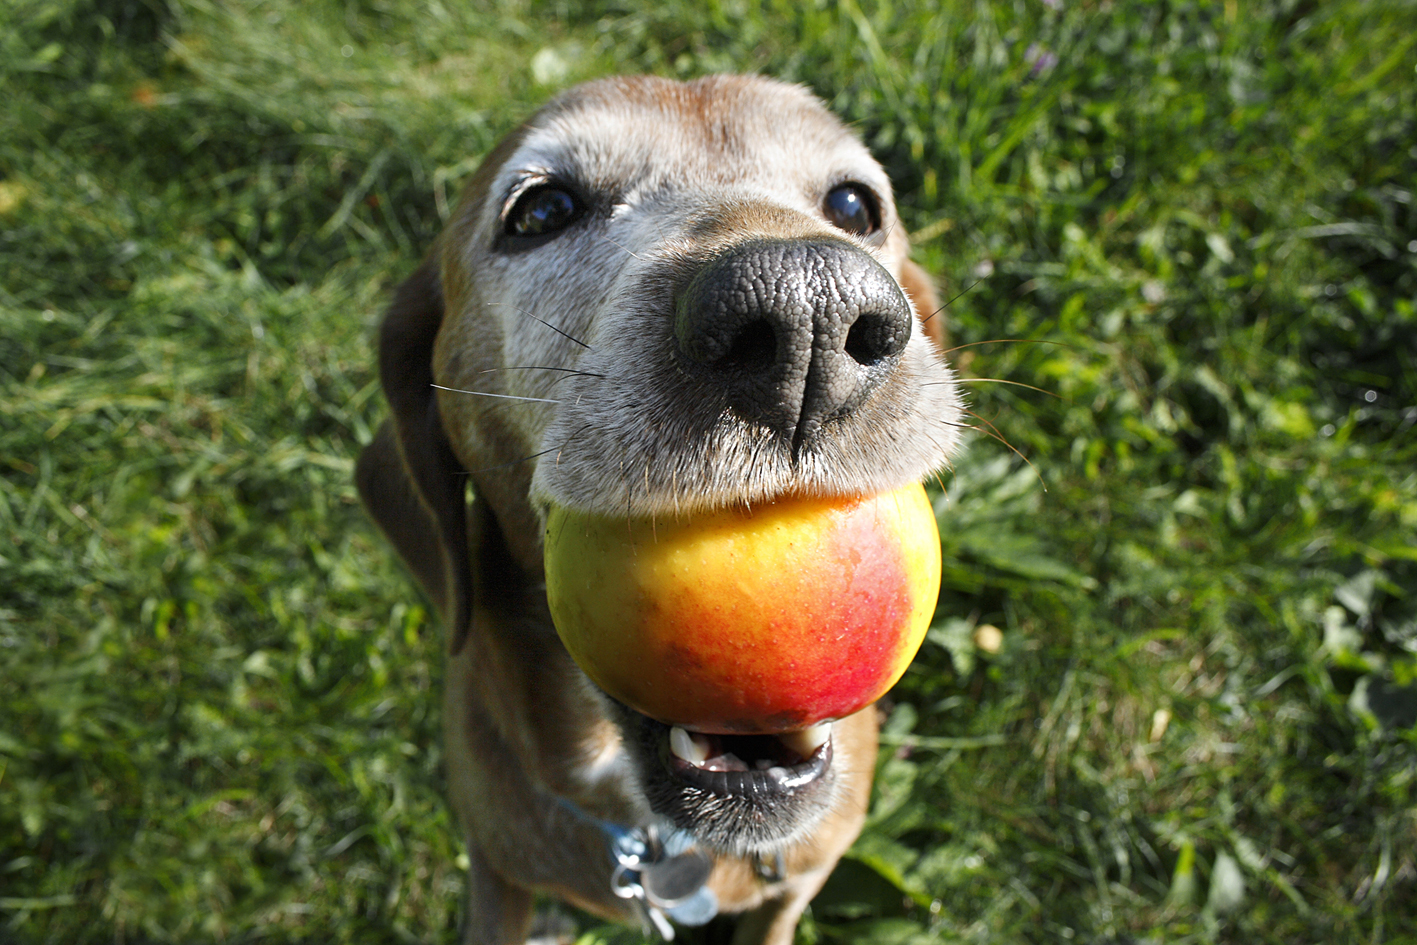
(873, 338)
(790, 334)
(754, 348)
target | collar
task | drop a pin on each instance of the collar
(661, 869)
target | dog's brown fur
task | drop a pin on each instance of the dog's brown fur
(686, 173)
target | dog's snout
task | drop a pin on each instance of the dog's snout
(793, 333)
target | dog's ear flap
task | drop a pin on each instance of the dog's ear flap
(921, 290)
(408, 477)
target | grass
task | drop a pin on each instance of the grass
(1194, 222)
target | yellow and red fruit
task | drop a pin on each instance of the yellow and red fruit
(763, 621)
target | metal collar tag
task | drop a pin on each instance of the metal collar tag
(665, 874)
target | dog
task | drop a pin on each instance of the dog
(654, 298)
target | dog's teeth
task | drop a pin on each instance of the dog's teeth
(692, 748)
(808, 740)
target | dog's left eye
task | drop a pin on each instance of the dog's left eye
(542, 211)
(852, 208)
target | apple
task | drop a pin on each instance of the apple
(764, 620)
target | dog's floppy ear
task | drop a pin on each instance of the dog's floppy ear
(408, 477)
(921, 289)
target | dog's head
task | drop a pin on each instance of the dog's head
(658, 298)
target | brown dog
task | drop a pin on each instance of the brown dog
(654, 298)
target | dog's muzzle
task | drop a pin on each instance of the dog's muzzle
(795, 333)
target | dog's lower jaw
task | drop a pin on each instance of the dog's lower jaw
(736, 826)
(765, 818)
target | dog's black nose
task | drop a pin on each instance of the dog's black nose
(793, 333)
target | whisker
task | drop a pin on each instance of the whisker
(994, 380)
(513, 462)
(621, 248)
(483, 393)
(537, 367)
(562, 448)
(543, 321)
(629, 493)
(1015, 341)
(949, 303)
(993, 431)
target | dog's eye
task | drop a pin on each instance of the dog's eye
(542, 211)
(852, 208)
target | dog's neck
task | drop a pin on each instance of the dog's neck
(522, 668)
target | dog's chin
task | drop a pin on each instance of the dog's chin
(737, 794)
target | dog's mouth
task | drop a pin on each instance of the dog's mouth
(749, 765)
(739, 794)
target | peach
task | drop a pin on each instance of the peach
(762, 620)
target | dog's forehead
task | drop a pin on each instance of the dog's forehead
(644, 134)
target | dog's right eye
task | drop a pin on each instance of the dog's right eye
(542, 211)
(852, 208)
